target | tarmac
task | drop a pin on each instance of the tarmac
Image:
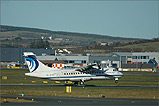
(75, 101)
(91, 86)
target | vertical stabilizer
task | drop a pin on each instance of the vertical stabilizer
(34, 64)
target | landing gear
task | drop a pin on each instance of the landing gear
(81, 83)
(116, 80)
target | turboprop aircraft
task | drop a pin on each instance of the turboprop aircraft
(76, 75)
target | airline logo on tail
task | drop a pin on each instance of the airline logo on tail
(33, 64)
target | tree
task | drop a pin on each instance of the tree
(40, 44)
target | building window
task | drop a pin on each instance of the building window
(84, 61)
(139, 57)
(147, 57)
(77, 61)
(144, 57)
(128, 56)
(66, 61)
(134, 57)
(71, 61)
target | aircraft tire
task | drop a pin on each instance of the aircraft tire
(81, 83)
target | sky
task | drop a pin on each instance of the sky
(131, 19)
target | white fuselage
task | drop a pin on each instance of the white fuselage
(82, 74)
(72, 75)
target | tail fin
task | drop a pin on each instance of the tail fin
(34, 64)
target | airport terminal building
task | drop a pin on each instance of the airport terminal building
(125, 61)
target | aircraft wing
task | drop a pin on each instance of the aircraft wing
(88, 68)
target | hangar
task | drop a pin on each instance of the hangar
(138, 61)
(136, 57)
(15, 55)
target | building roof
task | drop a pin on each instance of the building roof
(120, 54)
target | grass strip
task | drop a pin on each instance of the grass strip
(18, 77)
(83, 92)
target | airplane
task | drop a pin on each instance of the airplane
(76, 75)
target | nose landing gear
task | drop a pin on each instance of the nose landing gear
(116, 80)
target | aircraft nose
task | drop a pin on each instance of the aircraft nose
(121, 74)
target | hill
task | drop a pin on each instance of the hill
(144, 47)
(22, 37)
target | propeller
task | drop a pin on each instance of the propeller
(99, 66)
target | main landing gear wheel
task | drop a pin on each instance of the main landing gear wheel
(81, 83)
